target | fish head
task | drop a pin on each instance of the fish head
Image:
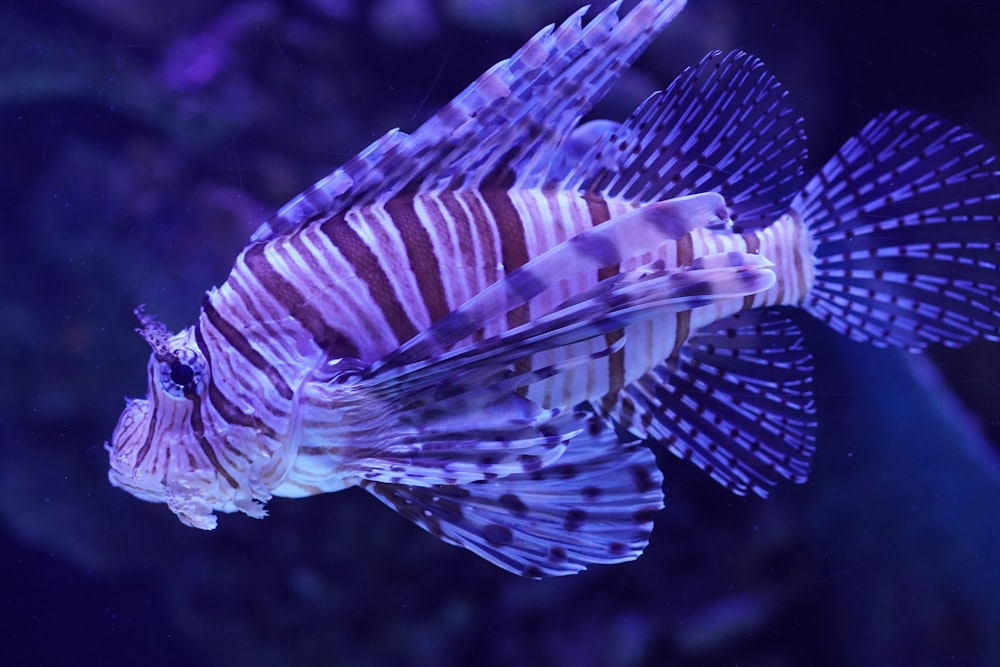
(158, 451)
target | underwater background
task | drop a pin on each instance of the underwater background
(143, 142)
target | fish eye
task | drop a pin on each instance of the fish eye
(182, 374)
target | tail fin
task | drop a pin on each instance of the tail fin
(906, 220)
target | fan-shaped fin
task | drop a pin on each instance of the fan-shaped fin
(737, 401)
(724, 125)
(906, 218)
(594, 505)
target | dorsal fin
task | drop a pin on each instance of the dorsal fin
(905, 220)
(510, 120)
(724, 125)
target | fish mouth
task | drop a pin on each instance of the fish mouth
(131, 432)
(124, 482)
(135, 482)
(130, 444)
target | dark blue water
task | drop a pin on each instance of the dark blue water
(142, 142)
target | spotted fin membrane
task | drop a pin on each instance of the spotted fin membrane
(595, 505)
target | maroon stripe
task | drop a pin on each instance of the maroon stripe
(455, 212)
(226, 408)
(513, 246)
(616, 362)
(685, 250)
(154, 397)
(683, 331)
(367, 268)
(420, 251)
(597, 211)
(514, 254)
(480, 216)
(242, 346)
(752, 242)
(198, 427)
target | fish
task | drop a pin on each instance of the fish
(492, 323)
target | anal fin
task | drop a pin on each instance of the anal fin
(736, 401)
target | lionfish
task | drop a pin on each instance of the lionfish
(483, 323)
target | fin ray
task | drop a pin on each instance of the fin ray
(724, 125)
(569, 67)
(737, 401)
(461, 416)
(905, 217)
(611, 306)
(423, 429)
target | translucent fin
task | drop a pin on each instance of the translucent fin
(633, 234)
(737, 401)
(579, 67)
(516, 113)
(579, 143)
(353, 183)
(595, 505)
(906, 219)
(724, 125)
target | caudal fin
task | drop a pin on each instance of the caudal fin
(906, 219)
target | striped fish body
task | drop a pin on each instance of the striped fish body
(359, 285)
(464, 320)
